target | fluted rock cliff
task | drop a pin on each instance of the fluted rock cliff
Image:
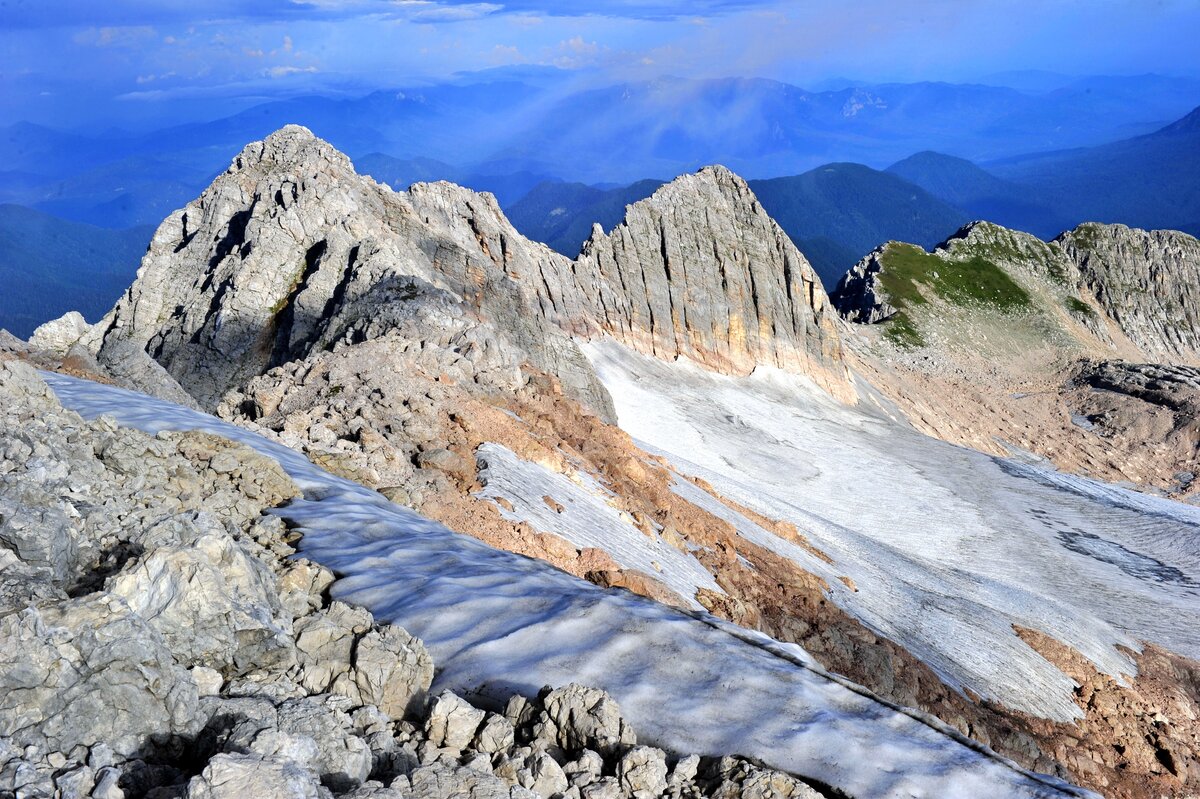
(701, 270)
(290, 252)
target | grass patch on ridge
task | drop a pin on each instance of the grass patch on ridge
(975, 281)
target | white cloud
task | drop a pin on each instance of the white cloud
(124, 36)
(503, 54)
(431, 11)
(283, 72)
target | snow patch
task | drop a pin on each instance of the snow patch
(586, 519)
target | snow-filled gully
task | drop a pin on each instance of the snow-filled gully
(498, 623)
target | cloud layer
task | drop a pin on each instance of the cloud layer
(61, 51)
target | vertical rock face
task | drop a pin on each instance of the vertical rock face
(700, 269)
(290, 252)
(1147, 280)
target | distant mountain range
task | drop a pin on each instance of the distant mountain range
(838, 212)
(49, 266)
(560, 160)
(614, 134)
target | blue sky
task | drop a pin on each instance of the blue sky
(124, 57)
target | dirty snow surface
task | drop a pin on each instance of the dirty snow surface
(497, 623)
(949, 548)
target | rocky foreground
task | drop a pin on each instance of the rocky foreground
(162, 640)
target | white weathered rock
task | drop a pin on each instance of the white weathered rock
(452, 722)
(642, 772)
(535, 770)
(214, 604)
(325, 643)
(495, 735)
(208, 681)
(89, 670)
(343, 759)
(237, 776)
(58, 335)
(442, 781)
(587, 718)
(392, 670)
(585, 769)
(700, 270)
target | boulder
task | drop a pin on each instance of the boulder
(443, 781)
(213, 603)
(642, 772)
(89, 670)
(236, 776)
(587, 718)
(325, 644)
(343, 760)
(452, 722)
(58, 335)
(35, 527)
(391, 670)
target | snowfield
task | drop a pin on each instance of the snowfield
(496, 623)
(948, 547)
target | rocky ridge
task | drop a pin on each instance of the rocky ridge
(290, 252)
(162, 640)
(1130, 292)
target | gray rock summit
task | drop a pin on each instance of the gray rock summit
(290, 252)
(699, 269)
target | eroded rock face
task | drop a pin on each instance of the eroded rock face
(859, 296)
(290, 253)
(1148, 281)
(700, 270)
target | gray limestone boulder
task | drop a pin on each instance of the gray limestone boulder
(237, 776)
(587, 718)
(642, 772)
(452, 722)
(86, 671)
(213, 603)
(57, 336)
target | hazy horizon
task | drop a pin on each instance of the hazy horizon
(140, 64)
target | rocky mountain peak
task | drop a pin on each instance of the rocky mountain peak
(292, 146)
(700, 270)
